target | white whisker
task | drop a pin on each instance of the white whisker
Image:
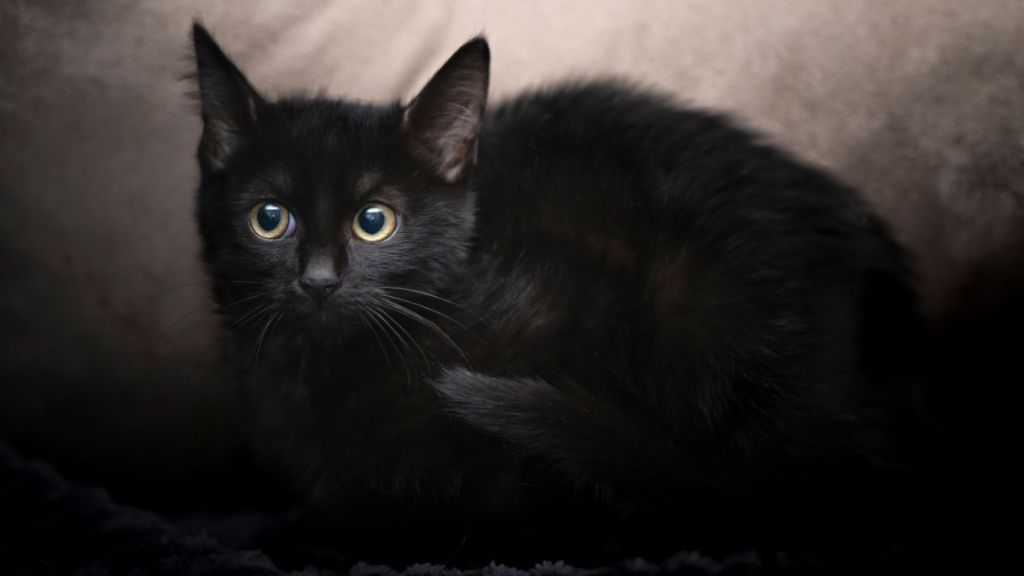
(370, 327)
(429, 325)
(385, 327)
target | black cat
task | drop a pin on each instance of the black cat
(586, 324)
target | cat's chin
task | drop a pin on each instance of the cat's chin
(326, 322)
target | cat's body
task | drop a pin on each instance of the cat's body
(593, 303)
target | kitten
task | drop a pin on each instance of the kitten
(545, 330)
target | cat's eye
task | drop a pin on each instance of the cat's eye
(375, 222)
(271, 221)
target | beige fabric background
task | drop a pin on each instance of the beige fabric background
(110, 357)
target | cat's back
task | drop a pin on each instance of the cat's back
(608, 157)
(594, 129)
(687, 226)
(631, 176)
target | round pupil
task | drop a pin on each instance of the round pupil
(371, 220)
(269, 217)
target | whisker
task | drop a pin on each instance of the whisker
(393, 326)
(385, 326)
(430, 325)
(406, 340)
(167, 337)
(259, 342)
(252, 315)
(166, 332)
(426, 358)
(426, 308)
(434, 296)
(363, 317)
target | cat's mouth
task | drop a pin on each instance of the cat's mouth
(326, 308)
(318, 302)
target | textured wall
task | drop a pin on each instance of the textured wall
(108, 348)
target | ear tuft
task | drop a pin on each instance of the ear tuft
(229, 104)
(443, 121)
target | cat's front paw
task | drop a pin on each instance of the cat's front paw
(515, 408)
(473, 396)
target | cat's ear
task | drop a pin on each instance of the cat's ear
(442, 121)
(229, 104)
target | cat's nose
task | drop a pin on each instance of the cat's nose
(319, 280)
(319, 288)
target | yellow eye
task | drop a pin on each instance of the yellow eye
(271, 221)
(375, 222)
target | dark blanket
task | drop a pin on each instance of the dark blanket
(50, 526)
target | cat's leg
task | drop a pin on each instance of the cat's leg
(654, 478)
(585, 436)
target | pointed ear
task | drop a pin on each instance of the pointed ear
(229, 103)
(441, 123)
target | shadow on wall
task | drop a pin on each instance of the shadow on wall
(944, 165)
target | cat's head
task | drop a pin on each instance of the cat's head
(313, 209)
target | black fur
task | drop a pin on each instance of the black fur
(596, 303)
